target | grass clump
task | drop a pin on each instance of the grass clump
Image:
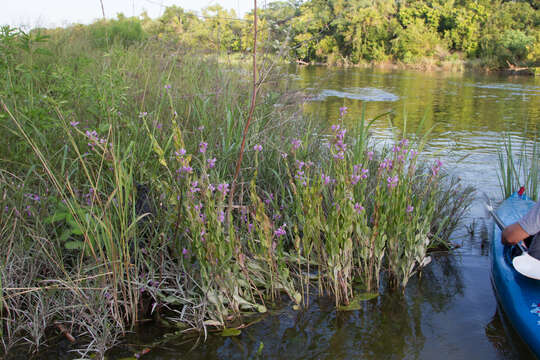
(114, 189)
(519, 169)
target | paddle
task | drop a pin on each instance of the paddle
(525, 264)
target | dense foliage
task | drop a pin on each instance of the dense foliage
(498, 33)
(117, 157)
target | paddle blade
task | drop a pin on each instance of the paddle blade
(527, 266)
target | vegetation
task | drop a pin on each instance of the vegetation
(519, 169)
(490, 33)
(117, 159)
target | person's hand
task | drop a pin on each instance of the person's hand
(513, 234)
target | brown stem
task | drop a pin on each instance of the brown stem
(250, 116)
(102, 9)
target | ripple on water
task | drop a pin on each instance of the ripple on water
(515, 88)
(364, 94)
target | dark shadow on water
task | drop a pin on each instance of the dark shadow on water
(446, 312)
(505, 339)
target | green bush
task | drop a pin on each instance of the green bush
(125, 31)
(514, 45)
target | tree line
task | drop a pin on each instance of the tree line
(494, 33)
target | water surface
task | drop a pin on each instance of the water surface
(450, 311)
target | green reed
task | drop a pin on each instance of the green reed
(521, 170)
(115, 178)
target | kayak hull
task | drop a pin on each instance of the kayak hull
(519, 296)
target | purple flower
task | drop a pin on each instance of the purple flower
(185, 169)
(392, 181)
(300, 164)
(269, 199)
(404, 143)
(185, 251)
(221, 216)
(364, 173)
(280, 230)
(370, 155)
(396, 149)
(296, 143)
(195, 187)
(410, 209)
(325, 179)
(355, 179)
(34, 197)
(200, 128)
(223, 188)
(143, 114)
(358, 208)
(211, 187)
(436, 167)
(211, 163)
(386, 164)
(257, 147)
(413, 153)
(91, 134)
(167, 86)
(202, 147)
(284, 155)
(180, 152)
(339, 155)
(342, 111)
(74, 123)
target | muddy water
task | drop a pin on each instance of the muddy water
(450, 311)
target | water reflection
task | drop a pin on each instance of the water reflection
(447, 311)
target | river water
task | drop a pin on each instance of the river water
(448, 312)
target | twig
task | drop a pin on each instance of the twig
(65, 332)
(102, 9)
(250, 116)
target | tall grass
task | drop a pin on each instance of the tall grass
(115, 184)
(519, 168)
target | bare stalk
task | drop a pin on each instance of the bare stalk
(102, 9)
(251, 110)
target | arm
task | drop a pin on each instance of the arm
(513, 234)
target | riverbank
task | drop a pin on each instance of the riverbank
(116, 196)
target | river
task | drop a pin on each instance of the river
(450, 310)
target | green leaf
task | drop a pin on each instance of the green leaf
(103, 127)
(66, 234)
(356, 303)
(230, 332)
(58, 216)
(75, 228)
(74, 245)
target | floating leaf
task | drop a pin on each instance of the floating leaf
(231, 332)
(261, 308)
(356, 303)
(212, 323)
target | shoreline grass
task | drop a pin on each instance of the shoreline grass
(114, 185)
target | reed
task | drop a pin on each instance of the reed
(521, 168)
(113, 202)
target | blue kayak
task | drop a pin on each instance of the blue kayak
(518, 295)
